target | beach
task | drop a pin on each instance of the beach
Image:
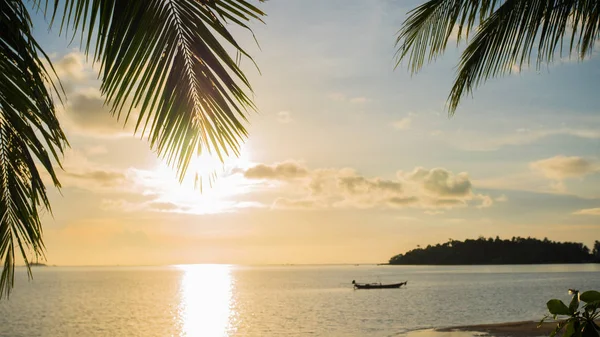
(508, 329)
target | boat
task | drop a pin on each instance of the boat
(378, 285)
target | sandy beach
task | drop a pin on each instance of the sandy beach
(512, 329)
(509, 329)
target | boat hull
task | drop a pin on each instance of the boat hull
(378, 286)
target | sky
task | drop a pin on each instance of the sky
(347, 159)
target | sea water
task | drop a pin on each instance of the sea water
(227, 300)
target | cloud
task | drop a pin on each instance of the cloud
(359, 100)
(71, 67)
(72, 70)
(454, 33)
(516, 68)
(88, 115)
(520, 137)
(561, 167)
(157, 190)
(486, 201)
(421, 188)
(340, 97)
(102, 178)
(95, 150)
(284, 117)
(85, 112)
(79, 172)
(301, 204)
(128, 201)
(402, 124)
(441, 182)
(281, 171)
(164, 206)
(402, 201)
(588, 211)
(502, 198)
(99, 180)
(119, 205)
(355, 184)
(337, 96)
(448, 202)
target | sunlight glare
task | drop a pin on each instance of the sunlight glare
(213, 198)
(206, 300)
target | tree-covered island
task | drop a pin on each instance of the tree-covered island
(497, 251)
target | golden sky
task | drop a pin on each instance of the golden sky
(348, 161)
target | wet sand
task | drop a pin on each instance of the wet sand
(511, 329)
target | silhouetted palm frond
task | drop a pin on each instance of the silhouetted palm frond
(169, 61)
(29, 132)
(508, 33)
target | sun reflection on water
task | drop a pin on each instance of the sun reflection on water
(206, 300)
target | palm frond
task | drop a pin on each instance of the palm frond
(509, 32)
(29, 132)
(170, 60)
(427, 29)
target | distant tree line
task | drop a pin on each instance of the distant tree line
(517, 250)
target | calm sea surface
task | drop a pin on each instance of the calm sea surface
(220, 300)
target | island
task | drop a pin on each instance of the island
(517, 250)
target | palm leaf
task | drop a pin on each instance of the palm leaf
(29, 133)
(509, 33)
(170, 60)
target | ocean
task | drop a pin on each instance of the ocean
(229, 300)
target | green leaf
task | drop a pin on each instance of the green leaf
(591, 307)
(569, 330)
(590, 296)
(557, 307)
(589, 331)
(559, 327)
(574, 305)
(577, 329)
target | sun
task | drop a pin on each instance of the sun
(208, 186)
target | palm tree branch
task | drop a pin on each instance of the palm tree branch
(168, 61)
(30, 134)
(515, 31)
(425, 32)
(509, 33)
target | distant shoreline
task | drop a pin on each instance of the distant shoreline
(490, 251)
(302, 265)
(485, 264)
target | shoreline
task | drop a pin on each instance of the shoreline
(507, 329)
